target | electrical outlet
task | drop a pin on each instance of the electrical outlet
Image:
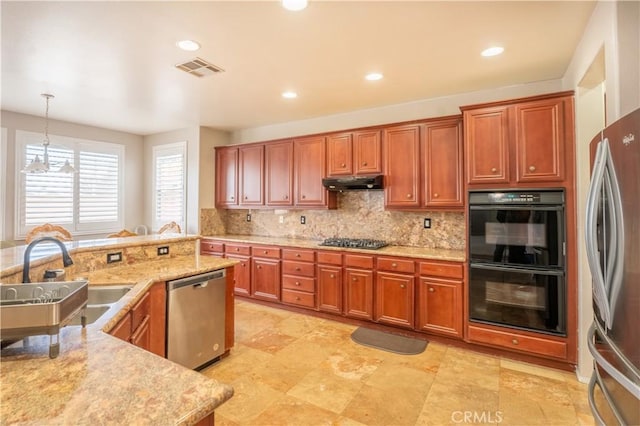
(164, 250)
(281, 219)
(114, 257)
(303, 220)
(427, 223)
(249, 217)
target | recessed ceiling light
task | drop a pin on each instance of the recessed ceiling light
(373, 76)
(188, 45)
(294, 5)
(289, 95)
(492, 51)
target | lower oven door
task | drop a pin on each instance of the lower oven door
(529, 299)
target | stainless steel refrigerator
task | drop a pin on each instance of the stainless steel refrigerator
(613, 250)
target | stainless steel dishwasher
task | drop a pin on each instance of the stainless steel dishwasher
(196, 319)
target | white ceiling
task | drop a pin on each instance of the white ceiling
(111, 64)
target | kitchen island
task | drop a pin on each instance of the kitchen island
(98, 378)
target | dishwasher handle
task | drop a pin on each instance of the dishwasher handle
(200, 280)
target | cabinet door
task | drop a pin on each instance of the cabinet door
(539, 140)
(367, 153)
(158, 318)
(309, 164)
(339, 155)
(241, 275)
(402, 166)
(226, 177)
(141, 337)
(358, 293)
(279, 173)
(486, 133)
(330, 289)
(440, 306)
(442, 151)
(122, 330)
(251, 160)
(395, 299)
(265, 279)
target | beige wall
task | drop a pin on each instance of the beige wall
(132, 159)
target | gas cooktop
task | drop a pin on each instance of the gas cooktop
(354, 243)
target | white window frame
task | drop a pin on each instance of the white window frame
(3, 180)
(24, 138)
(161, 151)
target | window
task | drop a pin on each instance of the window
(87, 202)
(169, 184)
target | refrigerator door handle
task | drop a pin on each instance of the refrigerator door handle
(627, 383)
(593, 199)
(592, 401)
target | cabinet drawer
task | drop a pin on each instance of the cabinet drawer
(237, 249)
(298, 298)
(298, 283)
(519, 342)
(396, 265)
(330, 258)
(211, 246)
(266, 251)
(358, 261)
(442, 269)
(298, 254)
(122, 329)
(298, 268)
(140, 311)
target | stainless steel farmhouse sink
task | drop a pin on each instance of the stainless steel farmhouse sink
(40, 308)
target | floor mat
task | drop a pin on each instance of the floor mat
(388, 342)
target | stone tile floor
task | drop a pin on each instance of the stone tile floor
(292, 369)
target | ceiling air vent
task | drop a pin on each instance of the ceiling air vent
(199, 67)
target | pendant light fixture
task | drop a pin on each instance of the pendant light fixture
(42, 166)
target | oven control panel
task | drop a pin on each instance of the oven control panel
(514, 197)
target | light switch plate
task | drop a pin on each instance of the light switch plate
(303, 220)
(427, 223)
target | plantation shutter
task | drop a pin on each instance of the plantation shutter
(169, 184)
(98, 191)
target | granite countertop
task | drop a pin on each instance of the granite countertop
(99, 379)
(404, 251)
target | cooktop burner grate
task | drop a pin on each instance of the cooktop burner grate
(354, 243)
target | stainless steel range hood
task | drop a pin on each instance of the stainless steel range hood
(351, 183)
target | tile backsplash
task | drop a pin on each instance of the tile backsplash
(360, 214)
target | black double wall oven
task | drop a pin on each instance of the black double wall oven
(517, 259)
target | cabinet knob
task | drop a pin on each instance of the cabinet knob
(332, 276)
(532, 168)
(245, 197)
(297, 282)
(266, 252)
(297, 254)
(493, 170)
(364, 163)
(514, 341)
(297, 297)
(232, 197)
(408, 195)
(304, 196)
(286, 197)
(354, 279)
(343, 165)
(243, 264)
(402, 286)
(297, 268)
(436, 195)
(237, 248)
(431, 290)
(394, 265)
(259, 266)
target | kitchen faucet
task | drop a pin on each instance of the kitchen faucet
(66, 259)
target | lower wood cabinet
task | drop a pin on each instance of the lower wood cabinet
(440, 306)
(518, 341)
(330, 289)
(265, 273)
(241, 275)
(395, 299)
(358, 293)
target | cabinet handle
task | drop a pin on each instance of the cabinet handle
(297, 268)
(259, 266)
(304, 196)
(402, 286)
(514, 341)
(394, 265)
(354, 279)
(243, 264)
(408, 195)
(332, 276)
(297, 282)
(364, 163)
(532, 168)
(297, 297)
(245, 197)
(431, 290)
(436, 195)
(297, 254)
(237, 248)
(493, 170)
(232, 197)
(343, 165)
(286, 197)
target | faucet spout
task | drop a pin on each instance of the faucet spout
(66, 259)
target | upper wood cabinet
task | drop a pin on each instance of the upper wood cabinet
(519, 142)
(356, 153)
(442, 152)
(401, 150)
(309, 169)
(251, 163)
(279, 173)
(226, 176)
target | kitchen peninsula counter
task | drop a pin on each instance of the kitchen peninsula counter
(99, 379)
(391, 250)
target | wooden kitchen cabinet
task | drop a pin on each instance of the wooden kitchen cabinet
(265, 273)
(519, 142)
(241, 275)
(329, 273)
(309, 170)
(401, 152)
(395, 299)
(440, 298)
(354, 153)
(279, 173)
(226, 177)
(443, 184)
(251, 173)
(298, 277)
(358, 286)
(211, 247)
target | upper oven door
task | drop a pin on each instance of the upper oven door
(518, 235)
